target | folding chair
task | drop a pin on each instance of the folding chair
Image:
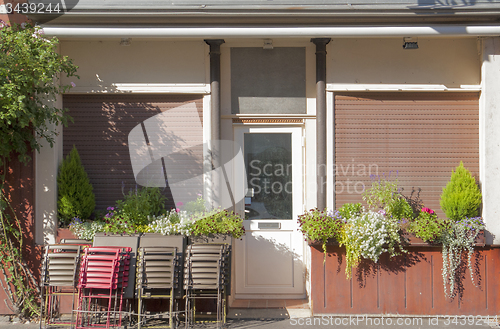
(156, 279)
(59, 274)
(103, 277)
(206, 276)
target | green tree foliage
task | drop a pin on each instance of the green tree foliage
(461, 197)
(30, 67)
(75, 193)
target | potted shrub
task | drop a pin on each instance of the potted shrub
(216, 226)
(75, 196)
(460, 201)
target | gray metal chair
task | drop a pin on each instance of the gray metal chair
(59, 277)
(207, 276)
(157, 279)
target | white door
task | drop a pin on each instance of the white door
(269, 258)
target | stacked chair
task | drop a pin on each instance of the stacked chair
(207, 276)
(103, 277)
(157, 278)
(59, 276)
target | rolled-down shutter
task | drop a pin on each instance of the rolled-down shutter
(418, 138)
(102, 124)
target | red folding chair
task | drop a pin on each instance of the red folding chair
(103, 277)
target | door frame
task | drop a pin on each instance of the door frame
(242, 290)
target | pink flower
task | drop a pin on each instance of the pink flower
(428, 210)
(73, 84)
(177, 210)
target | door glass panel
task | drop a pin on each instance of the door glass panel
(268, 163)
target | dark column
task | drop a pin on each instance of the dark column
(321, 119)
(215, 114)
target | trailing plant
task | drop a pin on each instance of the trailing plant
(461, 197)
(319, 225)
(140, 204)
(369, 235)
(428, 227)
(30, 69)
(75, 196)
(459, 238)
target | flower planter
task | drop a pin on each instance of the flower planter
(216, 238)
(329, 242)
(410, 239)
(64, 233)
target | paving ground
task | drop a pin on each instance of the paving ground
(343, 322)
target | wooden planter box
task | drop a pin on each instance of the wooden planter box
(409, 284)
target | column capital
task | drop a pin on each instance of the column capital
(214, 45)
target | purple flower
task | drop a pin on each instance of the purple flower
(73, 84)
(111, 208)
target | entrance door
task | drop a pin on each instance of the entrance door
(269, 262)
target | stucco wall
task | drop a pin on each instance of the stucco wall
(106, 65)
(489, 136)
(449, 62)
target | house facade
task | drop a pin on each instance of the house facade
(314, 100)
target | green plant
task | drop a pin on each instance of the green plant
(399, 208)
(218, 222)
(459, 238)
(349, 210)
(383, 192)
(319, 225)
(428, 227)
(196, 206)
(141, 204)
(30, 69)
(461, 197)
(86, 230)
(173, 222)
(75, 196)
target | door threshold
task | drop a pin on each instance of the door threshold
(269, 309)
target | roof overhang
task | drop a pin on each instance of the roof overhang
(270, 31)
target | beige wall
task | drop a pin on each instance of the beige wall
(103, 64)
(451, 62)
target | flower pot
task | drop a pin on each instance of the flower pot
(410, 239)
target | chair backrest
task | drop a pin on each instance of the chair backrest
(157, 268)
(205, 266)
(60, 265)
(105, 267)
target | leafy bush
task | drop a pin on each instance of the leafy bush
(461, 197)
(428, 227)
(141, 204)
(75, 193)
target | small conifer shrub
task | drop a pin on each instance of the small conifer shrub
(75, 193)
(461, 197)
